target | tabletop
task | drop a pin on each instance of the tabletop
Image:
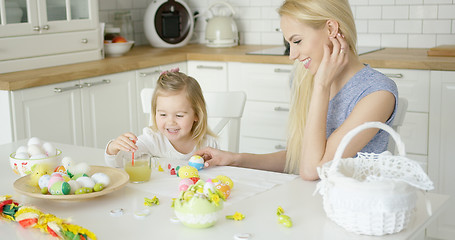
(256, 194)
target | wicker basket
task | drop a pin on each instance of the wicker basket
(371, 194)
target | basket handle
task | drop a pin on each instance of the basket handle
(348, 137)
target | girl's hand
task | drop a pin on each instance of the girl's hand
(332, 63)
(216, 157)
(125, 142)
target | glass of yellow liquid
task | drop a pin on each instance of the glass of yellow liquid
(140, 168)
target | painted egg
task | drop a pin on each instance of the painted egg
(74, 186)
(86, 182)
(188, 172)
(197, 162)
(22, 149)
(60, 188)
(34, 141)
(21, 155)
(209, 186)
(184, 184)
(101, 178)
(34, 149)
(38, 156)
(76, 176)
(60, 169)
(53, 179)
(226, 180)
(44, 181)
(224, 189)
(83, 190)
(98, 187)
(49, 149)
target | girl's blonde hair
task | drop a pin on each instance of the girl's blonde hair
(313, 13)
(175, 82)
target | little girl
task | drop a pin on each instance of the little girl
(179, 123)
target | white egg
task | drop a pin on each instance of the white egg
(21, 155)
(34, 140)
(74, 186)
(101, 178)
(44, 181)
(38, 156)
(34, 149)
(21, 149)
(49, 149)
(209, 186)
(86, 182)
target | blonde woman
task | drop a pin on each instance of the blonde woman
(179, 123)
(333, 92)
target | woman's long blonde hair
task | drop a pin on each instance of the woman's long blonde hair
(313, 13)
(174, 82)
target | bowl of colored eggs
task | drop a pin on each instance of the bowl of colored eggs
(36, 152)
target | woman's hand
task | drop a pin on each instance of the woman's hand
(216, 157)
(332, 63)
(125, 142)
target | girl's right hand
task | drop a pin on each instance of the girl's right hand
(125, 142)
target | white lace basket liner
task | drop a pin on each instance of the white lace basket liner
(371, 194)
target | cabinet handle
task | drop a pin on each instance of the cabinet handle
(209, 67)
(104, 81)
(36, 28)
(280, 147)
(84, 40)
(59, 90)
(280, 70)
(145, 74)
(281, 109)
(394, 75)
(45, 27)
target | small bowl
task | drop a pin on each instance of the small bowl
(23, 167)
(117, 49)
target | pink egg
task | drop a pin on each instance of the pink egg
(184, 184)
(55, 178)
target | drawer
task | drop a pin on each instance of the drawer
(265, 120)
(260, 145)
(48, 44)
(414, 133)
(261, 82)
(413, 85)
(211, 75)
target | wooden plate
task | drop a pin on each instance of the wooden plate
(118, 177)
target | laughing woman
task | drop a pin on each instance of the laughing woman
(333, 92)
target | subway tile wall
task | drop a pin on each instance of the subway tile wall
(380, 23)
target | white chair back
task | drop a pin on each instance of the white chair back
(398, 121)
(225, 106)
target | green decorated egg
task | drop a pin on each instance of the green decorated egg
(60, 188)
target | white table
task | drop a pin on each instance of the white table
(290, 192)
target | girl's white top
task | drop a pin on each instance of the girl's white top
(157, 145)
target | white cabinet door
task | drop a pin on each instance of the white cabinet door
(212, 76)
(441, 154)
(109, 107)
(51, 113)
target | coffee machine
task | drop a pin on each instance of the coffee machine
(168, 23)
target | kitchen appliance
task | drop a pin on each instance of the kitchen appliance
(168, 24)
(221, 30)
(283, 51)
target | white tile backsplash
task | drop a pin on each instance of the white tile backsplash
(382, 23)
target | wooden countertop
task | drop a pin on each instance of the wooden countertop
(145, 56)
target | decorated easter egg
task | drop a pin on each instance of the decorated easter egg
(197, 162)
(83, 190)
(226, 180)
(34, 141)
(98, 187)
(44, 181)
(34, 149)
(76, 176)
(60, 168)
(188, 172)
(225, 190)
(21, 155)
(74, 186)
(86, 182)
(184, 184)
(49, 149)
(209, 187)
(53, 179)
(60, 188)
(22, 149)
(101, 178)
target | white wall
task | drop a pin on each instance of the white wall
(384, 23)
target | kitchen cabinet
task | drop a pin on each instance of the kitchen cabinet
(146, 78)
(87, 112)
(414, 85)
(264, 122)
(211, 75)
(35, 34)
(441, 150)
